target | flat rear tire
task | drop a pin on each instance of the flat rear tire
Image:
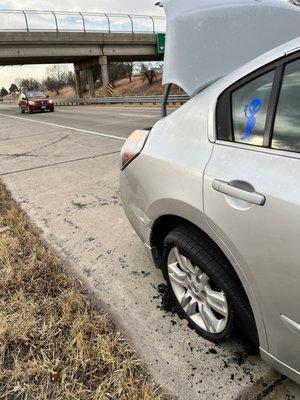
(206, 291)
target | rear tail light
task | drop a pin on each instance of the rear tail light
(133, 147)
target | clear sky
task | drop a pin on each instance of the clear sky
(9, 74)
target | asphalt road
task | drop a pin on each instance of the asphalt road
(63, 168)
(119, 121)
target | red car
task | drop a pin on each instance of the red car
(35, 101)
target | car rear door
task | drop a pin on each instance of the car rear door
(252, 195)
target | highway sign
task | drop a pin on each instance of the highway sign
(161, 42)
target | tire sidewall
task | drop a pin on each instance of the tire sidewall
(217, 337)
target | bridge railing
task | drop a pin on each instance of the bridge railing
(63, 21)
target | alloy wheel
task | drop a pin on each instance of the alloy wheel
(203, 302)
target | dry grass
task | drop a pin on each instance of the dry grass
(53, 343)
(137, 87)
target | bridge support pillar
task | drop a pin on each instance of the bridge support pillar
(91, 83)
(78, 83)
(104, 72)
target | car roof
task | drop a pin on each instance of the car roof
(33, 91)
(209, 39)
(289, 47)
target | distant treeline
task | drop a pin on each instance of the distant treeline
(57, 77)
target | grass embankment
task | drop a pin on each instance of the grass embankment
(53, 343)
(137, 87)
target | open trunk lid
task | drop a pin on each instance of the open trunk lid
(207, 39)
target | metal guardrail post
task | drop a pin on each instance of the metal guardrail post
(26, 20)
(164, 104)
(55, 19)
(83, 22)
(108, 21)
(131, 20)
(153, 23)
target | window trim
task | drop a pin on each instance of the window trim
(224, 115)
(260, 149)
(272, 107)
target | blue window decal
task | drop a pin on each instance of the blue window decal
(250, 111)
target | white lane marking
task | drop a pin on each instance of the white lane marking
(65, 127)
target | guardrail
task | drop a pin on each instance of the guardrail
(173, 99)
(67, 21)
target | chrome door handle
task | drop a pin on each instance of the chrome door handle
(250, 197)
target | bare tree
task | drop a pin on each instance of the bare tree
(13, 88)
(120, 70)
(130, 71)
(71, 79)
(148, 73)
(159, 66)
(29, 84)
(57, 78)
(3, 92)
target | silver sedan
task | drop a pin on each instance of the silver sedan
(213, 192)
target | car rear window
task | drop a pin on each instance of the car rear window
(35, 94)
(249, 109)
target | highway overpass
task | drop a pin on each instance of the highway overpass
(26, 37)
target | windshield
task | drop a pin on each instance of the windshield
(35, 94)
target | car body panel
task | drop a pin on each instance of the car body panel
(160, 154)
(280, 366)
(257, 236)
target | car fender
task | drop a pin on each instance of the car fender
(177, 208)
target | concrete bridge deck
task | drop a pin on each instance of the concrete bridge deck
(83, 49)
(84, 39)
(18, 48)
